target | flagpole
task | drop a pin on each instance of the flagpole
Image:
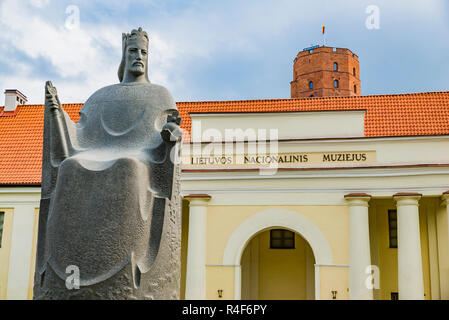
(323, 30)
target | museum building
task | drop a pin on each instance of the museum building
(326, 195)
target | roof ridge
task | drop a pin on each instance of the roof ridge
(321, 98)
(41, 105)
(282, 99)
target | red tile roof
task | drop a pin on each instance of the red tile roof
(416, 114)
(21, 143)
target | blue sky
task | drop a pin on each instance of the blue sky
(219, 50)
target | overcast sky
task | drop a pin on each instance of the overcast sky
(220, 50)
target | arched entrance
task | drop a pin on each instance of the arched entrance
(278, 264)
(280, 219)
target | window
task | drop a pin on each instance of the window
(17, 98)
(353, 71)
(311, 85)
(311, 96)
(393, 228)
(2, 219)
(355, 89)
(335, 83)
(282, 239)
(335, 66)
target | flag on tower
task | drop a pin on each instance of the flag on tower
(324, 29)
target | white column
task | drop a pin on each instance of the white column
(196, 248)
(410, 275)
(20, 256)
(359, 247)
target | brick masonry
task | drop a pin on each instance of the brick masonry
(317, 65)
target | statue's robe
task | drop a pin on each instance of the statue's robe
(111, 208)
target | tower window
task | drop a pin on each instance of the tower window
(335, 83)
(353, 71)
(393, 228)
(311, 85)
(355, 89)
(335, 66)
(282, 239)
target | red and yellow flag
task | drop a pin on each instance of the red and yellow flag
(324, 29)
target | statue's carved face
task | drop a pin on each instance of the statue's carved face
(136, 57)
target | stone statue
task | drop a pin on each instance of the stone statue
(109, 224)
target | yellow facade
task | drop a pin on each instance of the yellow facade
(6, 267)
(223, 220)
(5, 250)
(33, 255)
(18, 251)
(282, 273)
(317, 199)
(237, 208)
(220, 278)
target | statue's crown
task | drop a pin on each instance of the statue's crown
(135, 35)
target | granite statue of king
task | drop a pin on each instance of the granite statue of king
(110, 224)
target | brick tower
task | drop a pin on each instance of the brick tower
(325, 71)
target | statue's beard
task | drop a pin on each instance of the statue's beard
(137, 70)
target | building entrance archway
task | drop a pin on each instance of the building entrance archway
(269, 219)
(277, 264)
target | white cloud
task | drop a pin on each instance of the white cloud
(87, 58)
(40, 3)
(91, 53)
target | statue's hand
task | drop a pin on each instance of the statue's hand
(171, 131)
(51, 97)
